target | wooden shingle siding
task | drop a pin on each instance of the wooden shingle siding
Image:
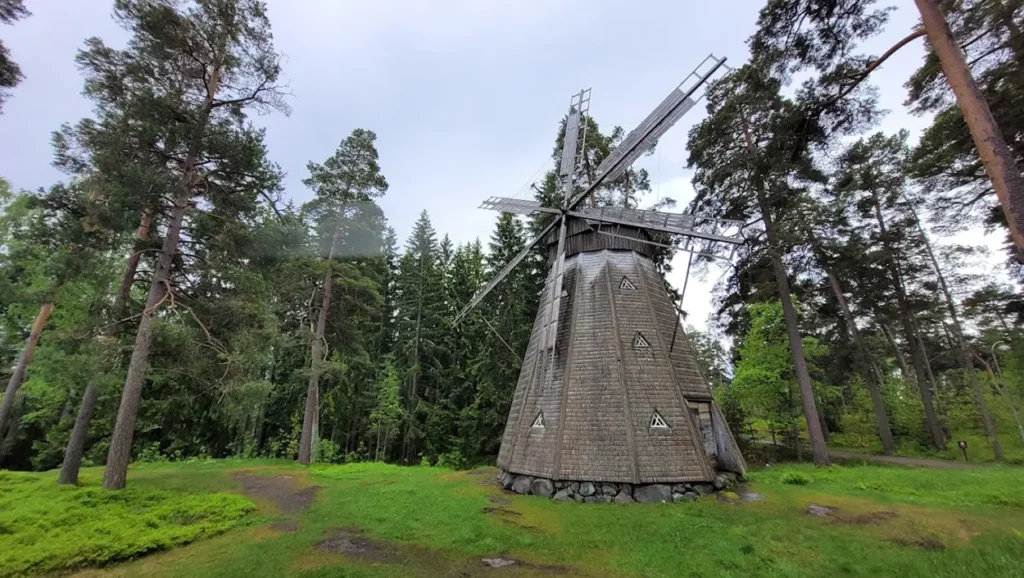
(599, 391)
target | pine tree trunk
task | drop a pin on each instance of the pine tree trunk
(961, 346)
(76, 445)
(819, 448)
(901, 360)
(119, 455)
(21, 368)
(132, 266)
(868, 369)
(917, 353)
(995, 154)
(312, 409)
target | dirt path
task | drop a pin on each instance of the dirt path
(285, 492)
(915, 462)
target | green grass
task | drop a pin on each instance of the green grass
(46, 527)
(888, 521)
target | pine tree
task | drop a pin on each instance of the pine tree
(10, 72)
(202, 65)
(345, 186)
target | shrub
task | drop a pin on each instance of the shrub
(46, 528)
(795, 479)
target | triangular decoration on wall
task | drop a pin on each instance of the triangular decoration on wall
(640, 342)
(658, 421)
(627, 284)
(565, 293)
(539, 421)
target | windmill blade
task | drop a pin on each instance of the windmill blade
(709, 228)
(526, 207)
(579, 106)
(678, 102)
(505, 271)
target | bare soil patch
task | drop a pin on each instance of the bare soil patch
(285, 492)
(351, 543)
(924, 543)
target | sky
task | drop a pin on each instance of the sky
(465, 95)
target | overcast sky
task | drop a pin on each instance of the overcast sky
(465, 95)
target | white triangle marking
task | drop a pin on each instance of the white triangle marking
(626, 284)
(640, 341)
(539, 422)
(658, 421)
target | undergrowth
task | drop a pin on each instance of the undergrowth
(45, 527)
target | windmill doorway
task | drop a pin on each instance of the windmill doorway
(702, 416)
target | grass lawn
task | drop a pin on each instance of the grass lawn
(418, 521)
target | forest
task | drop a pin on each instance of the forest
(167, 301)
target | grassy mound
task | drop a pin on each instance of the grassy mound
(45, 527)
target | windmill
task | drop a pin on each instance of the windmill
(610, 390)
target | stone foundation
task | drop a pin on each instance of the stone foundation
(564, 490)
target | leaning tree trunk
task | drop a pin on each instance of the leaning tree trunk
(868, 370)
(961, 346)
(819, 448)
(316, 348)
(119, 455)
(901, 360)
(995, 154)
(132, 266)
(76, 445)
(917, 353)
(18, 377)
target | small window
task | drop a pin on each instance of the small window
(640, 342)
(539, 421)
(627, 284)
(657, 421)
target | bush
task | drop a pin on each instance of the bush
(46, 528)
(795, 479)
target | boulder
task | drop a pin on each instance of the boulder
(718, 483)
(628, 488)
(684, 497)
(521, 485)
(609, 489)
(542, 487)
(653, 493)
(575, 487)
(587, 489)
(562, 495)
(680, 488)
(592, 499)
(703, 489)
(561, 484)
(506, 480)
(624, 498)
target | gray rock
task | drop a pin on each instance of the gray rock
(521, 485)
(506, 481)
(624, 498)
(691, 496)
(607, 499)
(562, 495)
(577, 497)
(685, 497)
(592, 499)
(816, 510)
(498, 562)
(575, 487)
(628, 488)
(560, 485)
(653, 493)
(587, 489)
(703, 489)
(542, 487)
(609, 489)
(677, 497)
(718, 483)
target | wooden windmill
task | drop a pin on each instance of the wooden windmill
(610, 389)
